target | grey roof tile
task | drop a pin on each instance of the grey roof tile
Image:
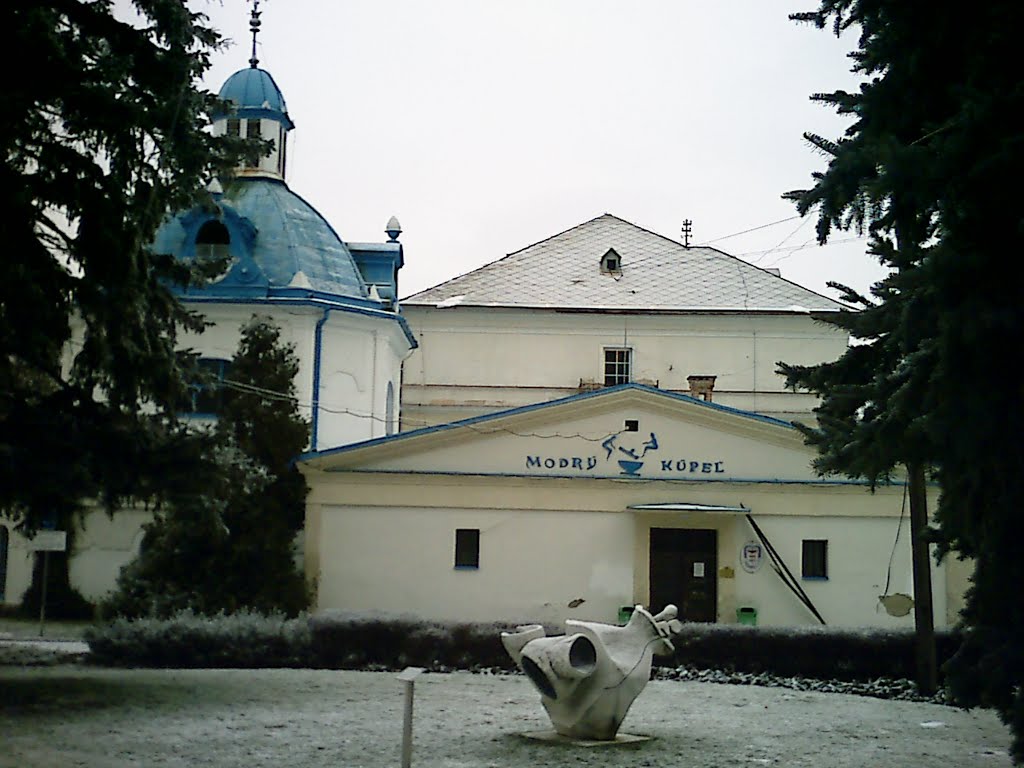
(659, 274)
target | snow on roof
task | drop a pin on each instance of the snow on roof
(657, 274)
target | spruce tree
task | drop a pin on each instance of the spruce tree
(925, 166)
(231, 545)
(100, 136)
(261, 418)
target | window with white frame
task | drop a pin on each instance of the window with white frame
(618, 365)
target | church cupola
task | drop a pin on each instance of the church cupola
(257, 110)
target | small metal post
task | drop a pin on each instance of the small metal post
(408, 676)
(42, 595)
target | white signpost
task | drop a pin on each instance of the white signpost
(408, 676)
(47, 542)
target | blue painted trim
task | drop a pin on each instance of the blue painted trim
(247, 113)
(550, 404)
(616, 478)
(317, 347)
(217, 292)
(310, 300)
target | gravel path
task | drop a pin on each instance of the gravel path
(92, 717)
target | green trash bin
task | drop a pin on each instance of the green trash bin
(747, 615)
(624, 613)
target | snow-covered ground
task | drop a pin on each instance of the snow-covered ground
(73, 715)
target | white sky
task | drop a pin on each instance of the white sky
(486, 126)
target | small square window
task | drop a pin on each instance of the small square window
(617, 366)
(631, 425)
(814, 560)
(467, 547)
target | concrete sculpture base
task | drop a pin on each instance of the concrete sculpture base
(554, 737)
(589, 677)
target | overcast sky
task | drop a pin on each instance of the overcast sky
(488, 125)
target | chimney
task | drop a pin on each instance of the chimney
(701, 387)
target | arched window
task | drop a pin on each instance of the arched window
(5, 539)
(207, 392)
(389, 414)
(212, 240)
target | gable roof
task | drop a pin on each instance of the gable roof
(591, 425)
(657, 274)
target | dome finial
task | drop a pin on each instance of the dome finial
(393, 229)
(254, 27)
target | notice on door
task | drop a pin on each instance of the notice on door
(698, 570)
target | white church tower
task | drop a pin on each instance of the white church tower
(336, 301)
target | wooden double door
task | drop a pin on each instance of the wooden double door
(684, 572)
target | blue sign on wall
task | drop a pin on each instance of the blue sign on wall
(630, 459)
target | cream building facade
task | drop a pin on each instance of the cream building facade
(594, 422)
(610, 302)
(584, 505)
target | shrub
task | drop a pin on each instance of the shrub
(350, 640)
(346, 640)
(241, 640)
(826, 653)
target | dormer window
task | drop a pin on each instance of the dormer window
(212, 240)
(611, 263)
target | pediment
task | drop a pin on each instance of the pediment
(630, 432)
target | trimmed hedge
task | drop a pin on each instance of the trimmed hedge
(340, 640)
(187, 640)
(822, 653)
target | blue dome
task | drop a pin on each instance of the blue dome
(278, 243)
(255, 94)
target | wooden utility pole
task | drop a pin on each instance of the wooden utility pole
(927, 673)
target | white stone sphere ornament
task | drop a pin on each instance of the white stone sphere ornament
(589, 677)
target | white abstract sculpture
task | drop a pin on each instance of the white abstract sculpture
(589, 677)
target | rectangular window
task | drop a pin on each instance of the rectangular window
(467, 547)
(814, 561)
(617, 365)
(253, 130)
(234, 126)
(207, 391)
(283, 153)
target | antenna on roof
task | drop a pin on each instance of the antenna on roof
(687, 224)
(254, 27)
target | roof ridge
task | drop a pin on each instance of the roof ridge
(564, 232)
(482, 286)
(559, 402)
(508, 255)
